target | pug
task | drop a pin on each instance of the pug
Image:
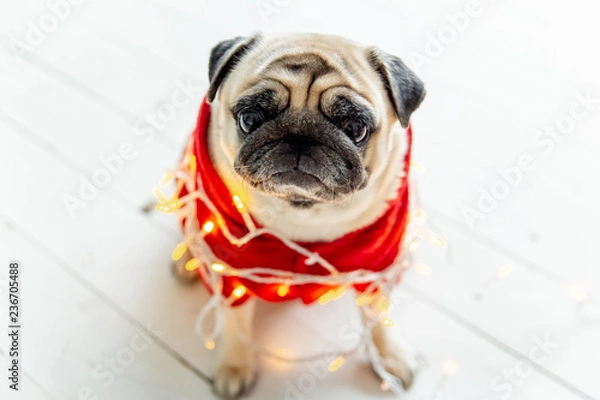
(313, 129)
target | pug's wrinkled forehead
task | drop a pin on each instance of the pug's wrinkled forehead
(305, 116)
(314, 71)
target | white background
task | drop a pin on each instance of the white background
(97, 281)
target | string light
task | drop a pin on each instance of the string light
(379, 283)
(217, 267)
(423, 269)
(283, 290)
(239, 291)
(342, 281)
(418, 213)
(502, 273)
(437, 241)
(450, 367)
(192, 264)
(280, 353)
(165, 204)
(193, 164)
(210, 344)
(413, 246)
(364, 299)
(169, 207)
(336, 364)
(208, 226)
(160, 196)
(384, 386)
(238, 202)
(331, 295)
(166, 179)
(418, 167)
(383, 305)
(179, 251)
(325, 298)
(505, 271)
(577, 292)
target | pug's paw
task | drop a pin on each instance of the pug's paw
(400, 363)
(181, 273)
(235, 379)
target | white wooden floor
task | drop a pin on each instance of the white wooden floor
(102, 316)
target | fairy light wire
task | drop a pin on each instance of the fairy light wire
(213, 270)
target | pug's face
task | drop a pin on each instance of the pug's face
(305, 112)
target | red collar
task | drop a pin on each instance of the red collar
(374, 247)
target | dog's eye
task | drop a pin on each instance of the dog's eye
(249, 120)
(356, 131)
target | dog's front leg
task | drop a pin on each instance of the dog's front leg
(398, 357)
(236, 368)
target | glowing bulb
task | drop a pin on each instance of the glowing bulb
(450, 367)
(413, 246)
(160, 196)
(387, 322)
(210, 344)
(208, 226)
(163, 208)
(363, 300)
(418, 167)
(283, 290)
(179, 251)
(239, 291)
(423, 269)
(280, 353)
(577, 292)
(505, 271)
(336, 364)
(419, 213)
(325, 298)
(437, 241)
(384, 386)
(338, 293)
(193, 163)
(192, 264)
(238, 202)
(169, 205)
(217, 267)
(383, 305)
(166, 179)
(331, 295)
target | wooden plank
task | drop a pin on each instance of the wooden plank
(438, 185)
(122, 260)
(515, 308)
(88, 238)
(27, 387)
(77, 346)
(97, 146)
(81, 351)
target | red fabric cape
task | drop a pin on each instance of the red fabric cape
(374, 247)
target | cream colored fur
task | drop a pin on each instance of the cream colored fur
(385, 155)
(323, 222)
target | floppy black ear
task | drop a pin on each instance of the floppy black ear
(405, 89)
(223, 58)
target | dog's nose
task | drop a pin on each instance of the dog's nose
(299, 144)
